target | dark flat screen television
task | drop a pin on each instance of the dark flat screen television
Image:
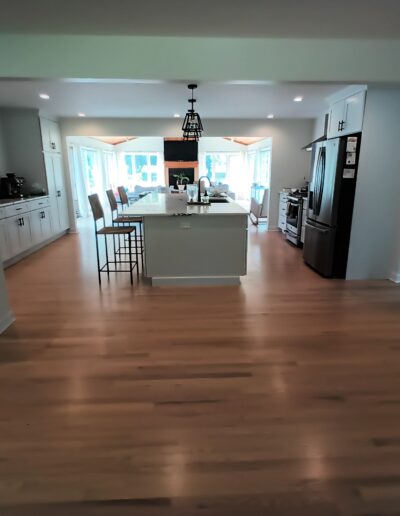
(180, 150)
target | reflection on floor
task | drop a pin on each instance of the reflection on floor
(278, 397)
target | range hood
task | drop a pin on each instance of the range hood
(321, 138)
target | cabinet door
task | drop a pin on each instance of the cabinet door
(45, 222)
(52, 191)
(354, 113)
(62, 203)
(336, 116)
(36, 227)
(4, 247)
(24, 233)
(13, 225)
(45, 130)
(55, 136)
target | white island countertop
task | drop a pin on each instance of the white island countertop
(161, 204)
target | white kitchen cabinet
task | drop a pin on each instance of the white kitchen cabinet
(51, 137)
(57, 193)
(18, 234)
(346, 115)
(4, 249)
(282, 211)
(40, 223)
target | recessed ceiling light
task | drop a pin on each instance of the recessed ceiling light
(177, 115)
(271, 115)
(44, 96)
(298, 99)
(81, 114)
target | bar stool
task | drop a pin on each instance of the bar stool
(129, 220)
(126, 231)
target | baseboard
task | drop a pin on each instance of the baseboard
(31, 250)
(395, 277)
(6, 321)
(194, 281)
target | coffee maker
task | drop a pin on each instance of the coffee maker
(11, 186)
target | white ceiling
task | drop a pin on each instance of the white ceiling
(236, 18)
(158, 99)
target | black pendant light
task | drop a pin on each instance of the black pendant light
(192, 126)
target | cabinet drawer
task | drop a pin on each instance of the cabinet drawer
(39, 203)
(16, 209)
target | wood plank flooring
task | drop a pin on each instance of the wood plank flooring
(279, 397)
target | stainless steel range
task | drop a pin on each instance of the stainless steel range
(294, 214)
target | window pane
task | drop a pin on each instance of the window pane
(140, 162)
(154, 177)
(129, 165)
(153, 160)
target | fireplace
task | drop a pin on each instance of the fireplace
(189, 168)
(188, 172)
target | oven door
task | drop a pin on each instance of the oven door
(293, 214)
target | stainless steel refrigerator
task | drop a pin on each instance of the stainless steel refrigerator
(330, 204)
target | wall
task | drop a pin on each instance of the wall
(3, 155)
(220, 144)
(145, 144)
(23, 141)
(213, 59)
(289, 164)
(6, 316)
(375, 236)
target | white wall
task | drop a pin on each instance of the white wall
(23, 142)
(6, 316)
(220, 144)
(3, 156)
(290, 165)
(199, 58)
(375, 237)
(142, 144)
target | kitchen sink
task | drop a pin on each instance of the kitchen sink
(219, 199)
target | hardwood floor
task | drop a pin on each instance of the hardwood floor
(279, 397)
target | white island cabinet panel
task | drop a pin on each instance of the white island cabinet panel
(192, 245)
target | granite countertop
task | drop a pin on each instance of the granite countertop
(158, 204)
(9, 202)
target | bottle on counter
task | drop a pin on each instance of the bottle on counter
(206, 199)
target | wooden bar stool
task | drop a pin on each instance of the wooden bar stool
(126, 231)
(130, 220)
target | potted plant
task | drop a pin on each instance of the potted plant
(181, 179)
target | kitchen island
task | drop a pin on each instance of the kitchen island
(192, 245)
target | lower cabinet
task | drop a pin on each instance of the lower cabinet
(18, 234)
(57, 193)
(282, 211)
(26, 230)
(40, 222)
(4, 253)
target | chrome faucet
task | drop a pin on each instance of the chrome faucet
(199, 189)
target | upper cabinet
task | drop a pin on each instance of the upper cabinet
(346, 115)
(51, 137)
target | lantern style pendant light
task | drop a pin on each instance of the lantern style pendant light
(192, 126)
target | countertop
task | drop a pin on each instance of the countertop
(9, 202)
(158, 204)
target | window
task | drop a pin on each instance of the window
(92, 171)
(143, 169)
(220, 166)
(262, 175)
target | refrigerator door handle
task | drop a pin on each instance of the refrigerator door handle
(321, 177)
(321, 230)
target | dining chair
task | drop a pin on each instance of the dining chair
(125, 231)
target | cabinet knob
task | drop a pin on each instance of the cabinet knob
(58, 193)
